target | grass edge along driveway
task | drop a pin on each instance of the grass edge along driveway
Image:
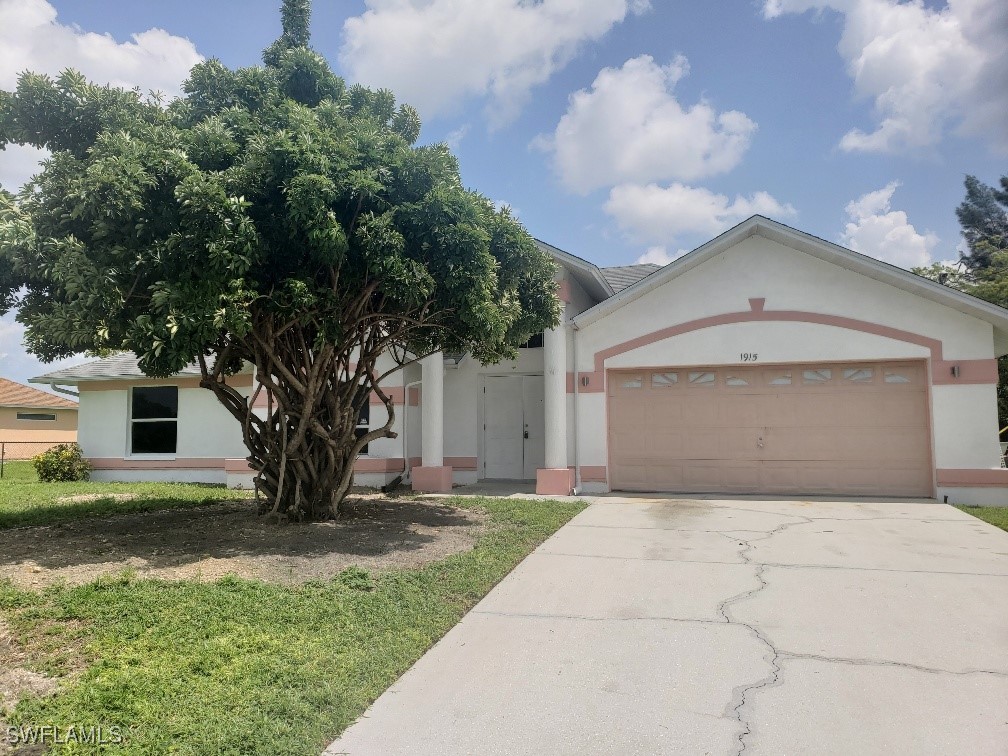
(997, 516)
(238, 666)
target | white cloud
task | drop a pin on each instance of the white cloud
(32, 39)
(877, 230)
(628, 127)
(18, 163)
(924, 69)
(659, 255)
(436, 53)
(17, 364)
(658, 214)
(455, 137)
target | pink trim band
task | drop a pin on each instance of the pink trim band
(970, 371)
(990, 477)
(179, 463)
(594, 474)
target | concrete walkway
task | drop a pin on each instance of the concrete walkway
(715, 626)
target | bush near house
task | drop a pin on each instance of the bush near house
(63, 463)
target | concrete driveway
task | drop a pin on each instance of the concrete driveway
(716, 626)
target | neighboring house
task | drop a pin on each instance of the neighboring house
(32, 420)
(765, 361)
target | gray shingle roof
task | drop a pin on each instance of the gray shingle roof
(622, 276)
(122, 365)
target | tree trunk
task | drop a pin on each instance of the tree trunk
(304, 445)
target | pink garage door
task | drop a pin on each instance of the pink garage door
(793, 429)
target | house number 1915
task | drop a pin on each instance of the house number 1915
(748, 356)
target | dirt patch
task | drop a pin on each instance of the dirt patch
(95, 497)
(211, 541)
(16, 681)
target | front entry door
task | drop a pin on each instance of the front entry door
(513, 426)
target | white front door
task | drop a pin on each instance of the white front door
(513, 426)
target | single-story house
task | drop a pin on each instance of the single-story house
(765, 361)
(31, 420)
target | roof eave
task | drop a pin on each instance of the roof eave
(823, 250)
(597, 286)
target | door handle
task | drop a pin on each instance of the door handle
(526, 434)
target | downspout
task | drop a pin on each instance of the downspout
(60, 390)
(577, 380)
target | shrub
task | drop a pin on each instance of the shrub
(62, 463)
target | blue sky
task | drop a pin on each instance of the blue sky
(621, 130)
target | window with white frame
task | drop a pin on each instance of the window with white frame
(154, 420)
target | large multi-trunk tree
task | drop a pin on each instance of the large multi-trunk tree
(271, 217)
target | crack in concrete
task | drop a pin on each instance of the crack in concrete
(738, 701)
(887, 663)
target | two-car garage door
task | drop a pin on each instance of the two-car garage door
(802, 429)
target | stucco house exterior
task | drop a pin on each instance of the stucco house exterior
(30, 419)
(765, 361)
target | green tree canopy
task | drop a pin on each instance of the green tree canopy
(983, 216)
(275, 216)
(984, 271)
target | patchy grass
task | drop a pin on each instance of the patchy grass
(26, 501)
(239, 666)
(994, 515)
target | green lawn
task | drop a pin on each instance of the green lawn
(994, 515)
(237, 666)
(26, 501)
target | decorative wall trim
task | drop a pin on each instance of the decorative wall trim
(594, 474)
(179, 463)
(461, 463)
(993, 477)
(239, 466)
(971, 372)
(378, 464)
(756, 303)
(396, 393)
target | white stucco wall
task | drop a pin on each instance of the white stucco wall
(205, 430)
(964, 422)
(788, 280)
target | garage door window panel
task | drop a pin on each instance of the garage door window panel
(664, 380)
(703, 379)
(817, 377)
(860, 376)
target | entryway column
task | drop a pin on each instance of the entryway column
(432, 476)
(556, 479)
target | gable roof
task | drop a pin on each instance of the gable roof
(587, 274)
(823, 250)
(121, 365)
(14, 394)
(622, 276)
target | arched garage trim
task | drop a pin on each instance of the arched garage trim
(970, 371)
